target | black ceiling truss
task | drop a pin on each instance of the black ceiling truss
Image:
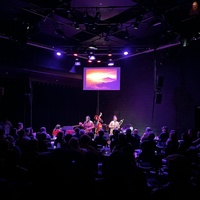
(60, 17)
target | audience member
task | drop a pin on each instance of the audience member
(130, 139)
(146, 134)
(7, 125)
(137, 138)
(60, 139)
(148, 148)
(123, 178)
(162, 137)
(172, 144)
(100, 138)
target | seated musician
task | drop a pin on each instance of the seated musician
(79, 126)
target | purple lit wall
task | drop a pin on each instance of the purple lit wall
(135, 102)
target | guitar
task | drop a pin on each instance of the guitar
(121, 122)
(98, 123)
(112, 126)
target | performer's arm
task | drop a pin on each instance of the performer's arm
(111, 125)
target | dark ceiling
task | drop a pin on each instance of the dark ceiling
(110, 25)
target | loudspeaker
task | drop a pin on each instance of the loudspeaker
(158, 98)
(160, 81)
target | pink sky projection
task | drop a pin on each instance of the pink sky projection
(104, 78)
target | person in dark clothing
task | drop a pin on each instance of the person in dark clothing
(137, 138)
(100, 139)
(162, 137)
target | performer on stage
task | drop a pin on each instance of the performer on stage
(98, 123)
(79, 126)
(88, 125)
(113, 125)
(56, 130)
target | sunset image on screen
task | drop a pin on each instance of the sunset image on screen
(105, 78)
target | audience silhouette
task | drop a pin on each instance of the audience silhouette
(29, 165)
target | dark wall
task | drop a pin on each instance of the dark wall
(14, 100)
(54, 104)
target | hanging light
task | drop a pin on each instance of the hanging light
(93, 47)
(77, 62)
(76, 25)
(91, 56)
(110, 62)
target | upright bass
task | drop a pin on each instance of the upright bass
(98, 123)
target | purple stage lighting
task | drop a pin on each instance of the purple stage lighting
(125, 53)
(58, 53)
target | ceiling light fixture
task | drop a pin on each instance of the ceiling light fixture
(91, 56)
(125, 53)
(76, 25)
(92, 47)
(77, 62)
(110, 62)
(58, 53)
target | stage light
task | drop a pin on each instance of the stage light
(76, 25)
(58, 53)
(110, 62)
(91, 56)
(110, 52)
(92, 47)
(126, 53)
(184, 41)
(77, 62)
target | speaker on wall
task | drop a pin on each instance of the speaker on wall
(158, 98)
(160, 81)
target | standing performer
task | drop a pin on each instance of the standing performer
(55, 131)
(88, 125)
(98, 123)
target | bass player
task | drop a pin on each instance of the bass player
(98, 123)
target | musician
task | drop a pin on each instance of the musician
(55, 131)
(79, 126)
(88, 124)
(98, 123)
(114, 125)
